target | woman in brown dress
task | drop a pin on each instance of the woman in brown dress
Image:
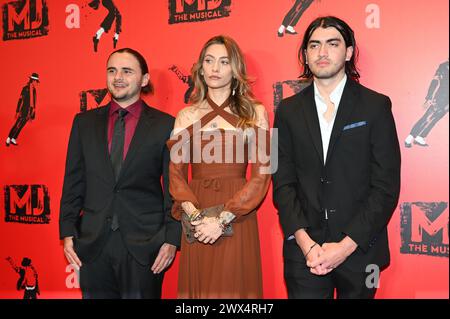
(215, 265)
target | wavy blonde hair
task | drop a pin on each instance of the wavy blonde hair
(243, 101)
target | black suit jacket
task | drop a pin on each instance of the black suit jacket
(357, 188)
(91, 195)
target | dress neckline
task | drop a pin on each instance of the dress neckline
(217, 107)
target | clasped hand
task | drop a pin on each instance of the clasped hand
(323, 259)
(207, 229)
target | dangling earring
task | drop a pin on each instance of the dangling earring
(233, 93)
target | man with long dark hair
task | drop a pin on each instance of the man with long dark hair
(115, 214)
(338, 177)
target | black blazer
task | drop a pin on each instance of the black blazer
(357, 188)
(91, 195)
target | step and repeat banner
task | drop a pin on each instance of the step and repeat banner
(53, 65)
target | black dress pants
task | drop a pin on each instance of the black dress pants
(302, 284)
(115, 274)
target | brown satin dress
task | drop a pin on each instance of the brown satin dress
(231, 267)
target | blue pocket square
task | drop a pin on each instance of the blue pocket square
(353, 125)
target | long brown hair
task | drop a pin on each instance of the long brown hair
(242, 103)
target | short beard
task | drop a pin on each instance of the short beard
(122, 97)
(330, 74)
(119, 98)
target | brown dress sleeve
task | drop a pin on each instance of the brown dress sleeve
(179, 188)
(253, 192)
(178, 172)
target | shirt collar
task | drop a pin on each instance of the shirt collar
(133, 109)
(336, 95)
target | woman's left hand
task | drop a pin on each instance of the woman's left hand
(207, 229)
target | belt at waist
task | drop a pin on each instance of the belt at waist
(221, 171)
(215, 183)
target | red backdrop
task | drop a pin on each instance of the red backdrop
(402, 44)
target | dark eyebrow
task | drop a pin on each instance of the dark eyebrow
(334, 40)
(328, 41)
(125, 68)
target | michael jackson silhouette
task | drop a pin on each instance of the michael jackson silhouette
(105, 26)
(26, 109)
(292, 17)
(436, 104)
(187, 79)
(28, 278)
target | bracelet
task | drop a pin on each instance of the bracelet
(221, 224)
(310, 249)
(194, 215)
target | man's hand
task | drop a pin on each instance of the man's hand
(165, 257)
(314, 255)
(71, 256)
(333, 255)
(311, 254)
(207, 229)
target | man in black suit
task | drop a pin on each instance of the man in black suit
(115, 216)
(338, 176)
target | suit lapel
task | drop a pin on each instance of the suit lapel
(101, 126)
(312, 121)
(140, 135)
(345, 109)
